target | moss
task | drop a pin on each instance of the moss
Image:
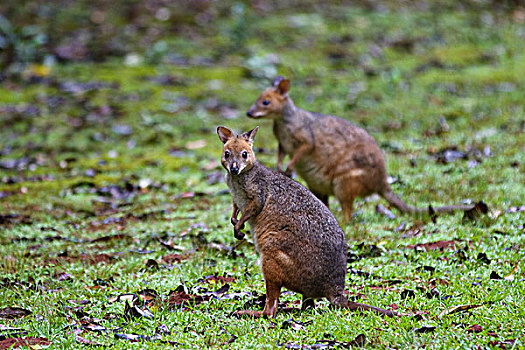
(410, 67)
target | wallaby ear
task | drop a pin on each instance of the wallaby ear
(250, 135)
(283, 87)
(277, 80)
(224, 133)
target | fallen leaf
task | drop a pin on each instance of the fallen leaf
(103, 283)
(63, 276)
(426, 268)
(91, 325)
(83, 340)
(133, 311)
(483, 258)
(14, 312)
(247, 314)
(151, 264)
(433, 293)
(131, 337)
(173, 258)
(510, 276)
(425, 329)
(473, 213)
(295, 325)
(516, 209)
(162, 329)
(27, 342)
(182, 298)
(122, 297)
(170, 245)
(475, 329)
(359, 341)
(407, 293)
(502, 344)
(257, 302)
(494, 276)
(216, 279)
(117, 236)
(441, 245)
(11, 332)
(458, 308)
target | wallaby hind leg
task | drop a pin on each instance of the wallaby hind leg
(273, 291)
(347, 207)
(346, 190)
(273, 279)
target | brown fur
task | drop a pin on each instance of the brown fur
(300, 244)
(334, 156)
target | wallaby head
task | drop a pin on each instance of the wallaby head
(237, 153)
(271, 101)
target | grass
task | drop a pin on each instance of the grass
(135, 164)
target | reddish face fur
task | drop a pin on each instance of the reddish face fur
(237, 153)
(271, 102)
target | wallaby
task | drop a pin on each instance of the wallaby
(300, 244)
(333, 156)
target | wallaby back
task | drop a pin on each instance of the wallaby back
(334, 156)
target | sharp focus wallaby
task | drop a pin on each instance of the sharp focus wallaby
(334, 156)
(300, 244)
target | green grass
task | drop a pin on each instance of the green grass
(158, 145)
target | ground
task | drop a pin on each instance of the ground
(114, 216)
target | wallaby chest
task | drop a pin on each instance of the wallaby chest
(293, 130)
(284, 133)
(239, 191)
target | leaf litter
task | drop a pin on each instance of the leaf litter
(14, 312)
(25, 342)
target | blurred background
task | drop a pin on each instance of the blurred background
(109, 90)
(157, 31)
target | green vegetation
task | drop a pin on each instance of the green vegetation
(110, 176)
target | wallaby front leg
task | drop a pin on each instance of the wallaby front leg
(234, 219)
(299, 152)
(280, 157)
(246, 215)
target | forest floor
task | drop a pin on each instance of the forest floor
(114, 214)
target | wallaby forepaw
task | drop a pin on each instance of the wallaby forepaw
(238, 234)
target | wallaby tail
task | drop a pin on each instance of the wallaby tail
(397, 202)
(363, 307)
(340, 300)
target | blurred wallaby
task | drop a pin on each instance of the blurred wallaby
(300, 244)
(334, 156)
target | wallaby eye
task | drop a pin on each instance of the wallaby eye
(227, 154)
(245, 155)
(266, 103)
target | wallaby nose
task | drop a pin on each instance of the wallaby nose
(234, 170)
(249, 114)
